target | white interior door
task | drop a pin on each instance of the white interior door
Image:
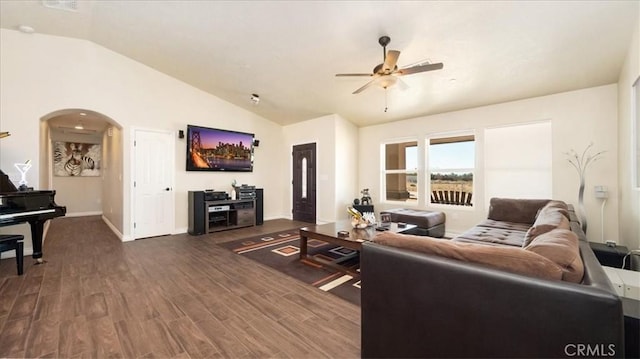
(153, 169)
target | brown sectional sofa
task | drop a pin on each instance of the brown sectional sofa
(513, 221)
(523, 283)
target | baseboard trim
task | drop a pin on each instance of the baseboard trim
(84, 214)
(26, 251)
(179, 231)
(114, 229)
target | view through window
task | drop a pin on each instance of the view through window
(451, 167)
(401, 171)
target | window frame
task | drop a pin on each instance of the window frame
(474, 170)
(384, 172)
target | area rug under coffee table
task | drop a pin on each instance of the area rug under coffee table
(281, 251)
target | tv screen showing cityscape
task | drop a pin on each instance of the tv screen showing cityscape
(212, 149)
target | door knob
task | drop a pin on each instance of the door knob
(168, 189)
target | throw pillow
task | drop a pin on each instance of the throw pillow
(548, 219)
(561, 247)
(557, 205)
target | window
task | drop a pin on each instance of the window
(400, 180)
(451, 168)
(517, 161)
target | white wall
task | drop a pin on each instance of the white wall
(320, 131)
(112, 185)
(336, 148)
(346, 165)
(629, 197)
(578, 118)
(41, 74)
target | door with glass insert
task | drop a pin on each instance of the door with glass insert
(304, 183)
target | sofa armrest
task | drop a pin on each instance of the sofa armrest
(417, 305)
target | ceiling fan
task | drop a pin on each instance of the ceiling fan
(386, 73)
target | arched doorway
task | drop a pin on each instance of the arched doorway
(81, 158)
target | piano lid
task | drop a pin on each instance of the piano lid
(5, 184)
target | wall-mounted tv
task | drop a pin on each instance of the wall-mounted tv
(212, 149)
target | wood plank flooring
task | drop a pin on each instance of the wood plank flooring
(175, 296)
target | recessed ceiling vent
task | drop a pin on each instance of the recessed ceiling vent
(68, 5)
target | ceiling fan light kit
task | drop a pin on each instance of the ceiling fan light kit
(386, 74)
(386, 81)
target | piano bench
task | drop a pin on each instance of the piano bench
(13, 241)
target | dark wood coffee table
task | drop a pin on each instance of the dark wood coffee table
(329, 233)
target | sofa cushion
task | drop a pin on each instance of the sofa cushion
(513, 226)
(515, 210)
(489, 235)
(548, 219)
(561, 247)
(511, 259)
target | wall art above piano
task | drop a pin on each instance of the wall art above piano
(74, 159)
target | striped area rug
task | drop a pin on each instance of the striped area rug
(281, 250)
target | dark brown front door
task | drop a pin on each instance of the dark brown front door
(304, 183)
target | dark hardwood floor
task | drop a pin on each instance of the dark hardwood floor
(173, 296)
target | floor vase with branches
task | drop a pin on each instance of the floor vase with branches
(580, 163)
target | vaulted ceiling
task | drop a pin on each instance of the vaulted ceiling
(288, 52)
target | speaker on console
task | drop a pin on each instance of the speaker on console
(259, 206)
(197, 220)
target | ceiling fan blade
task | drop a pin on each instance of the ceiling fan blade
(390, 61)
(340, 75)
(366, 86)
(422, 68)
(402, 85)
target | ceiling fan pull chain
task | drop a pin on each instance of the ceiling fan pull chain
(385, 100)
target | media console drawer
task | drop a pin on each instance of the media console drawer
(246, 217)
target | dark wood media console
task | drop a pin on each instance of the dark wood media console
(220, 215)
(229, 214)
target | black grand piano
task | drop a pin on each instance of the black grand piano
(34, 207)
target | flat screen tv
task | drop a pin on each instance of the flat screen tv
(212, 149)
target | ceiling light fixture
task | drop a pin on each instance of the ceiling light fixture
(79, 126)
(386, 81)
(255, 98)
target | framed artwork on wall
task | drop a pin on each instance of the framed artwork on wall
(74, 159)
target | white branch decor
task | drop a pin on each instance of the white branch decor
(580, 163)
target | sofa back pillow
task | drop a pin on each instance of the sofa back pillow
(548, 219)
(561, 247)
(507, 258)
(558, 206)
(515, 210)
